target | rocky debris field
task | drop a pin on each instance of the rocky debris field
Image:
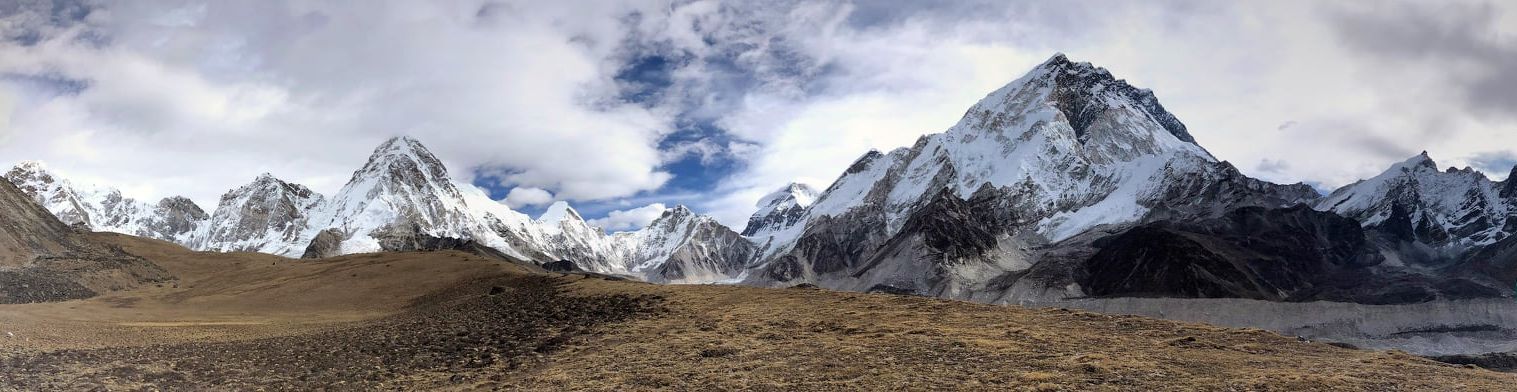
(468, 335)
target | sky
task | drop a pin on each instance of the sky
(625, 109)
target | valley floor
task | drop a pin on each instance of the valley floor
(454, 321)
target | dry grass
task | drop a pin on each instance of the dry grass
(795, 339)
(720, 337)
(220, 297)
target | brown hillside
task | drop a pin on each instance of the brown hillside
(450, 320)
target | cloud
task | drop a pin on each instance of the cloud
(6, 103)
(1496, 163)
(1464, 39)
(526, 197)
(631, 219)
(623, 104)
(1272, 85)
(1273, 166)
(200, 101)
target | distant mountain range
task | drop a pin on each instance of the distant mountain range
(1065, 183)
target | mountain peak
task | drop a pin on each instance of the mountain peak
(679, 210)
(1082, 91)
(1089, 99)
(1421, 160)
(798, 193)
(558, 212)
(29, 170)
(782, 208)
(30, 165)
(401, 146)
(403, 157)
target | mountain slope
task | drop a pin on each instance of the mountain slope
(397, 201)
(42, 259)
(1065, 150)
(267, 215)
(175, 219)
(1423, 215)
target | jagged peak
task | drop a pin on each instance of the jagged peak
(31, 166)
(677, 214)
(1060, 61)
(678, 210)
(182, 204)
(30, 170)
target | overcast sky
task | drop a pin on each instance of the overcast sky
(624, 109)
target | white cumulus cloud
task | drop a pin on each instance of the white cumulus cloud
(630, 219)
(526, 196)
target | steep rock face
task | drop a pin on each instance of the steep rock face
(781, 217)
(569, 237)
(327, 243)
(1288, 254)
(267, 215)
(174, 219)
(42, 259)
(1427, 216)
(678, 247)
(56, 195)
(780, 209)
(1062, 151)
(684, 247)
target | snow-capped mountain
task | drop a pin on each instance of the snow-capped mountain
(780, 218)
(781, 209)
(175, 219)
(267, 215)
(682, 246)
(401, 199)
(1065, 183)
(568, 236)
(1445, 212)
(1065, 150)
(43, 259)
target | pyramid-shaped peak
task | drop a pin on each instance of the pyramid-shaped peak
(1084, 93)
(401, 145)
(403, 157)
(558, 212)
